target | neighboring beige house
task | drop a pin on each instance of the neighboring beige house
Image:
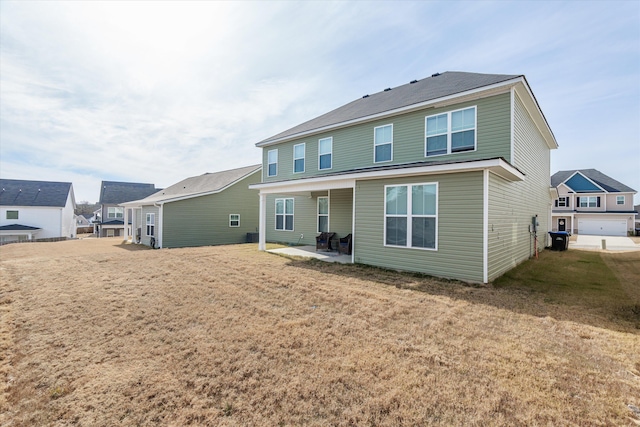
(590, 202)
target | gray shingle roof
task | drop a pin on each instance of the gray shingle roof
(113, 193)
(202, 184)
(18, 192)
(430, 88)
(604, 181)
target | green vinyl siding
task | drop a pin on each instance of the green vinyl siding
(340, 213)
(353, 146)
(204, 220)
(513, 204)
(144, 239)
(460, 214)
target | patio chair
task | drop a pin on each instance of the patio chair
(323, 241)
(344, 246)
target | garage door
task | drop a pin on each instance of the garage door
(602, 227)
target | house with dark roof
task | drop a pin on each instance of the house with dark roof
(590, 202)
(210, 209)
(110, 221)
(447, 175)
(33, 210)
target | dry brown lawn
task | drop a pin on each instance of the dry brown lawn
(96, 333)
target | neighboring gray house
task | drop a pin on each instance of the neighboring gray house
(211, 209)
(110, 221)
(32, 210)
(590, 202)
(447, 176)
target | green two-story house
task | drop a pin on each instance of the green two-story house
(448, 176)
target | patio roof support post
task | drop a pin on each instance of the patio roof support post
(262, 238)
(353, 225)
(125, 219)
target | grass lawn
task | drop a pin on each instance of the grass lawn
(93, 332)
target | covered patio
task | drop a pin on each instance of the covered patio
(310, 252)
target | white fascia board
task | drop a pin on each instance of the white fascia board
(531, 104)
(497, 166)
(492, 89)
(553, 191)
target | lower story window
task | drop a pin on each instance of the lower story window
(234, 220)
(151, 224)
(411, 215)
(284, 214)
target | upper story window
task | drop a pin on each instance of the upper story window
(325, 151)
(383, 143)
(411, 215)
(589, 202)
(284, 214)
(298, 158)
(272, 162)
(563, 202)
(115, 212)
(12, 214)
(619, 200)
(151, 224)
(451, 132)
(234, 220)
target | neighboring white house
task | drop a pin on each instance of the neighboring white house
(36, 210)
(590, 202)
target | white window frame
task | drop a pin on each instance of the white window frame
(284, 214)
(269, 162)
(232, 220)
(115, 210)
(376, 143)
(620, 200)
(409, 215)
(319, 214)
(12, 211)
(150, 221)
(588, 201)
(449, 132)
(304, 152)
(330, 153)
(562, 202)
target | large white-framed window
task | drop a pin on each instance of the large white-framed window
(298, 158)
(115, 212)
(411, 216)
(383, 143)
(12, 214)
(284, 214)
(272, 162)
(323, 214)
(151, 224)
(234, 220)
(619, 200)
(589, 202)
(450, 132)
(325, 153)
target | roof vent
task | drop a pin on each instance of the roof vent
(413, 81)
(387, 89)
(366, 96)
(435, 75)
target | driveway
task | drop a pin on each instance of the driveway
(613, 243)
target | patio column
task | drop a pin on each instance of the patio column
(262, 238)
(125, 219)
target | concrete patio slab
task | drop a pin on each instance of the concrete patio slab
(310, 252)
(612, 243)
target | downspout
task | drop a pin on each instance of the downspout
(485, 226)
(160, 209)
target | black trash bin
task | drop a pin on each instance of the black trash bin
(559, 240)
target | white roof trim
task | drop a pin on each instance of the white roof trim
(498, 166)
(506, 84)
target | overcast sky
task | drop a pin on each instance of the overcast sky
(159, 91)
